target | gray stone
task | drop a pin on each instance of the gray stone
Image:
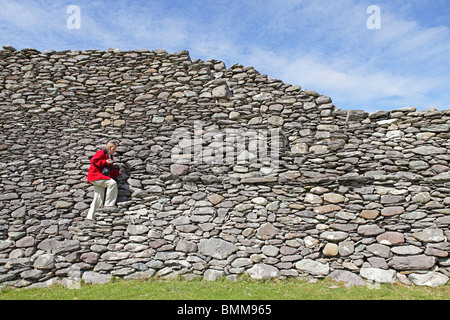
(267, 231)
(259, 180)
(330, 250)
(299, 149)
(379, 275)
(123, 272)
(357, 115)
(203, 211)
(4, 244)
(430, 235)
(270, 250)
(276, 120)
(430, 251)
(179, 169)
(313, 267)
(422, 197)
(186, 246)
(63, 204)
(19, 213)
(90, 257)
(370, 230)
(45, 262)
(348, 278)
(213, 275)
(377, 262)
(134, 183)
(222, 92)
(260, 201)
(402, 278)
(263, 271)
(417, 262)
(429, 150)
(413, 215)
(114, 256)
(310, 242)
(183, 220)
(167, 255)
(8, 196)
(418, 165)
(380, 250)
(216, 248)
(406, 250)
(313, 199)
(392, 211)
(390, 199)
(334, 235)
(319, 149)
(391, 238)
(244, 207)
(441, 178)
(323, 100)
(7, 277)
(32, 275)
(262, 96)
(445, 127)
(65, 246)
(430, 279)
(136, 229)
(25, 242)
(333, 197)
(346, 248)
(273, 206)
(96, 278)
(241, 263)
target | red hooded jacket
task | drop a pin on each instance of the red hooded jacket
(98, 161)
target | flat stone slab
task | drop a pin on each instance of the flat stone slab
(350, 279)
(216, 248)
(417, 262)
(96, 278)
(263, 271)
(379, 275)
(313, 267)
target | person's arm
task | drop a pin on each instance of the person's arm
(98, 159)
(115, 173)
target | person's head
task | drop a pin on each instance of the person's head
(111, 147)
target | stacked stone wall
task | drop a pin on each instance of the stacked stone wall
(227, 172)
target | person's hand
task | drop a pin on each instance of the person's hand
(109, 162)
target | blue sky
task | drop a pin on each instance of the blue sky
(321, 45)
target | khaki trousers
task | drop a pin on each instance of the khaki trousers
(99, 192)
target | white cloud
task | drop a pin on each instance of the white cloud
(358, 88)
(403, 64)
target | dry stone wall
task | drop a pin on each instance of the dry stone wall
(227, 172)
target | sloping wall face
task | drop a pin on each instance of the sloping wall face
(227, 172)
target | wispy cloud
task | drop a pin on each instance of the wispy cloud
(20, 15)
(403, 64)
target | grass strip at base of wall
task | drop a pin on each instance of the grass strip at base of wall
(242, 289)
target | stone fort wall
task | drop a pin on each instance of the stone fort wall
(227, 172)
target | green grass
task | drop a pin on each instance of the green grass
(243, 289)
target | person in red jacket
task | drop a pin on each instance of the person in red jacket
(100, 175)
